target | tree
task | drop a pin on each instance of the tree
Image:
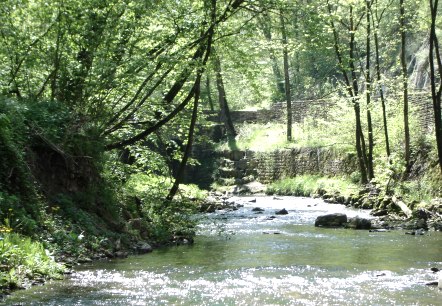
(265, 24)
(348, 70)
(376, 17)
(405, 85)
(368, 80)
(436, 91)
(288, 95)
(222, 99)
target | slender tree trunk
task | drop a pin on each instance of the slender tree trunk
(286, 78)
(223, 105)
(360, 141)
(376, 21)
(370, 167)
(196, 91)
(265, 24)
(209, 92)
(56, 59)
(436, 92)
(381, 93)
(188, 149)
(353, 91)
(405, 87)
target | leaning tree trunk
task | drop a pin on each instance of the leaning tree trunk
(222, 99)
(188, 149)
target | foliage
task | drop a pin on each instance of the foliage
(166, 220)
(21, 258)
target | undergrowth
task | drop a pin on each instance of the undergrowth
(22, 260)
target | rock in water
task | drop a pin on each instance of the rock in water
(331, 220)
(282, 212)
(434, 270)
(359, 223)
(143, 247)
(257, 209)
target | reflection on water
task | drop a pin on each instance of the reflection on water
(234, 263)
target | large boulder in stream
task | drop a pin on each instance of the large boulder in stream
(331, 220)
(359, 223)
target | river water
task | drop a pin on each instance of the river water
(244, 258)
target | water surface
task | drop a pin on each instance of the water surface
(244, 258)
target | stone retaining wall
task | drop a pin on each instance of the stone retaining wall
(245, 166)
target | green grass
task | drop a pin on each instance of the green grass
(307, 185)
(273, 136)
(21, 259)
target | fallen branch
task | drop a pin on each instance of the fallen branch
(407, 211)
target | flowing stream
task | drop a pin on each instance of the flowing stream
(244, 258)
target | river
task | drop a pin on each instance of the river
(244, 258)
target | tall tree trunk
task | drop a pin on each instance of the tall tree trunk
(352, 88)
(265, 23)
(405, 87)
(209, 92)
(381, 92)
(375, 17)
(360, 141)
(188, 149)
(222, 99)
(196, 95)
(370, 167)
(286, 77)
(436, 92)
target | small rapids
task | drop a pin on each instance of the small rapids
(247, 258)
